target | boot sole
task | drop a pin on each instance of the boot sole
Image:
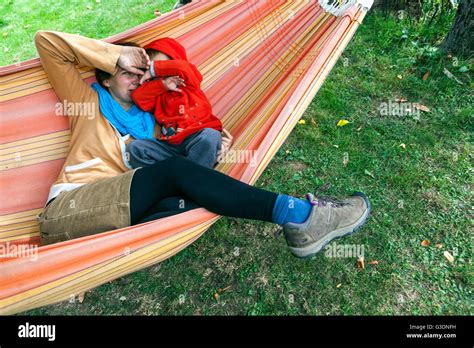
(312, 250)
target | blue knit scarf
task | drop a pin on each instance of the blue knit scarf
(138, 123)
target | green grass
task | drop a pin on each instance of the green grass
(422, 191)
(21, 19)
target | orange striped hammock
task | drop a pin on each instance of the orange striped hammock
(262, 62)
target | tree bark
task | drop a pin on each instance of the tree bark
(460, 39)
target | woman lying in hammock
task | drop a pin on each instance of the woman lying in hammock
(96, 190)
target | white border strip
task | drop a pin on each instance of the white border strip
(339, 7)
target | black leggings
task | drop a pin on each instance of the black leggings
(176, 185)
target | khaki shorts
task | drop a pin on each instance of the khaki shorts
(92, 208)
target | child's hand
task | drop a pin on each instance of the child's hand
(227, 140)
(146, 76)
(172, 83)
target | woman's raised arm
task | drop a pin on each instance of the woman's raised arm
(59, 54)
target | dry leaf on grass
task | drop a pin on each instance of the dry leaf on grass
(439, 246)
(339, 285)
(221, 291)
(421, 107)
(426, 75)
(225, 289)
(425, 243)
(375, 262)
(402, 145)
(360, 262)
(448, 256)
(450, 75)
(80, 297)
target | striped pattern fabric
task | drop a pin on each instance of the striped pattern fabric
(262, 63)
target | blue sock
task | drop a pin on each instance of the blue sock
(290, 209)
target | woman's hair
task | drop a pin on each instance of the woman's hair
(101, 75)
(151, 52)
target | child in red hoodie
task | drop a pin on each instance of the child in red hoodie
(174, 95)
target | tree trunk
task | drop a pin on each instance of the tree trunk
(460, 39)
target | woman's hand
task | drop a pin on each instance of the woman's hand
(172, 83)
(227, 140)
(132, 59)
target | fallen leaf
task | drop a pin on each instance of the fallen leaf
(27, 26)
(425, 243)
(80, 297)
(400, 100)
(426, 75)
(216, 296)
(342, 123)
(402, 145)
(301, 122)
(221, 291)
(5, 34)
(421, 107)
(336, 146)
(313, 121)
(439, 246)
(400, 77)
(345, 160)
(448, 256)
(339, 285)
(122, 298)
(369, 174)
(360, 262)
(451, 76)
(287, 152)
(375, 262)
(89, 7)
(157, 13)
(358, 129)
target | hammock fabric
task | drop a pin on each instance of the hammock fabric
(262, 62)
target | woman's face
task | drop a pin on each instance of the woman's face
(121, 85)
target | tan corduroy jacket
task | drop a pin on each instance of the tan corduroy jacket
(97, 150)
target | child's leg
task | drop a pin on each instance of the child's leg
(202, 147)
(143, 153)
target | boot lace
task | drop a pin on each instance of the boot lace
(324, 200)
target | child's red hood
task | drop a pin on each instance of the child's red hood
(168, 46)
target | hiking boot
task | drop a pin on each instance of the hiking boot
(329, 219)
